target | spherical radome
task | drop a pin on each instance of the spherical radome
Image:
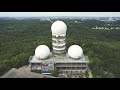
(58, 28)
(42, 52)
(75, 51)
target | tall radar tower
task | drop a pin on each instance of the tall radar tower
(59, 29)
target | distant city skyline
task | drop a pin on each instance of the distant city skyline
(37, 14)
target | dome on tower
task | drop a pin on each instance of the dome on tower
(42, 52)
(75, 51)
(58, 28)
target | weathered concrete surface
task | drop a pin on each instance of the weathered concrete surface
(23, 72)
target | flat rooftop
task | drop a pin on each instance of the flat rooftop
(60, 59)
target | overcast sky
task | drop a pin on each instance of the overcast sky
(29, 14)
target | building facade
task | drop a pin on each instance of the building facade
(72, 62)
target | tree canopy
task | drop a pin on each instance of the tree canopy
(19, 38)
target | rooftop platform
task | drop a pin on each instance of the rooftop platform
(59, 59)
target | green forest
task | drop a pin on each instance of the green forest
(19, 39)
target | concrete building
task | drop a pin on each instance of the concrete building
(58, 29)
(71, 62)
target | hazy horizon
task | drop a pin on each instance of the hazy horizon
(43, 14)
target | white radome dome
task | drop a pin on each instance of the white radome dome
(59, 28)
(75, 51)
(42, 52)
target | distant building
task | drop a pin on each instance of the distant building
(109, 20)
